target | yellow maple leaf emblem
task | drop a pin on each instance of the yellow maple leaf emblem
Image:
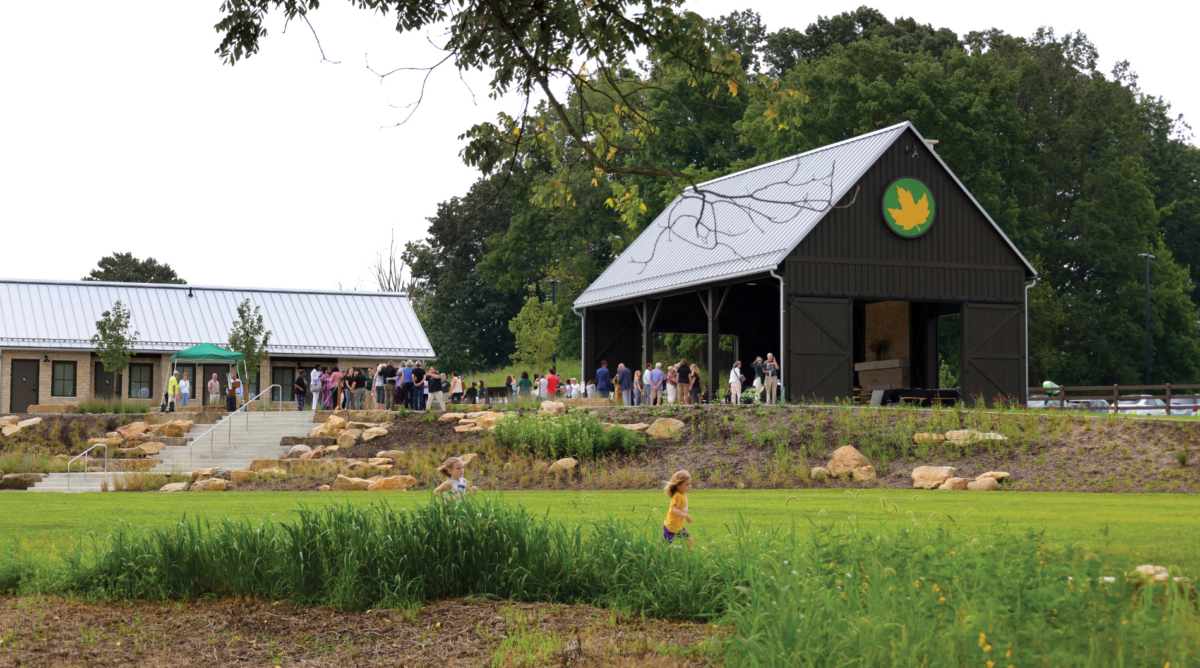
(911, 214)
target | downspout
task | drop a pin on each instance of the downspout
(582, 347)
(782, 349)
(1036, 278)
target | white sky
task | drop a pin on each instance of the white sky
(122, 131)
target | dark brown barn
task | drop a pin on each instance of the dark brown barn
(848, 259)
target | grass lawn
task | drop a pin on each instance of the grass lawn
(1152, 528)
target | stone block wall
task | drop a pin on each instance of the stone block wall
(888, 321)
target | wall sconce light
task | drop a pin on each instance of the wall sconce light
(45, 359)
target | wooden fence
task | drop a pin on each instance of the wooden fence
(1060, 398)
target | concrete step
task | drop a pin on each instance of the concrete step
(57, 482)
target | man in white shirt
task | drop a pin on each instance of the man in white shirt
(314, 385)
(541, 391)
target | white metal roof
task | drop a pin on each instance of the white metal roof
(745, 223)
(310, 323)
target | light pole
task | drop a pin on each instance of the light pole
(1148, 258)
(554, 302)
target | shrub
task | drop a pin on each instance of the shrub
(577, 434)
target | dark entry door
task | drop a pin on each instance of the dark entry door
(108, 384)
(820, 349)
(24, 385)
(993, 352)
(284, 377)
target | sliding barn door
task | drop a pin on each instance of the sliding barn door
(820, 356)
(993, 353)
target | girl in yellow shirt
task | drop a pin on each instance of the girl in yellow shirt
(677, 490)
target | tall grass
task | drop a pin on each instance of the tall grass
(112, 405)
(577, 434)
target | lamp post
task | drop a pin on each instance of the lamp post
(1148, 258)
(554, 301)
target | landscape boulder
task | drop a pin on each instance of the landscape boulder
(1157, 573)
(664, 428)
(361, 425)
(174, 487)
(274, 471)
(969, 436)
(954, 484)
(928, 438)
(983, 485)
(864, 473)
(348, 438)
(390, 454)
(210, 485)
(8, 420)
(332, 450)
(376, 416)
(133, 429)
(636, 426)
(552, 408)
(107, 442)
(564, 465)
(324, 488)
(373, 433)
(1000, 476)
(31, 422)
(240, 476)
(297, 450)
(488, 419)
(845, 459)
(818, 473)
(204, 474)
(344, 484)
(20, 480)
(331, 427)
(9, 430)
(223, 474)
(463, 428)
(468, 458)
(151, 448)
(176, 428)
(931, 477)
(379, 461)
(396, 483)
(451, 417)
(113, 434)
(316, 453)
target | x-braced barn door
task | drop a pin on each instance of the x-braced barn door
(820, 351)
(993, 352)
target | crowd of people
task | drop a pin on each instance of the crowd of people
(385, 386)
(680, 383)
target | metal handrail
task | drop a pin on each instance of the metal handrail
(84, 455)
(229, 417)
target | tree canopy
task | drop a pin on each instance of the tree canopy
(125, 268)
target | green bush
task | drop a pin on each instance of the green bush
(577, 434)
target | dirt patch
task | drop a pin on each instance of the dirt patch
(39, 631)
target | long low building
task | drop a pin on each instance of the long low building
(46, 330)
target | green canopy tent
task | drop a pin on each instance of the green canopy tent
(207, 353)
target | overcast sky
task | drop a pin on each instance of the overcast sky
(122, 131)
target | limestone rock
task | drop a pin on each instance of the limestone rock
(379, 461)
(954, 484)
(864, 473)
(204, 474)
(332, 450)
(636, 426)
(9, 430)
(174, 487)
(151, 448)
(331, 427)
(818, 473)
(664, 428)
(845, 459)
(385, 467)
(928, 438)
(240, 476)
(467, 422)
(462, 428)
(373, 433)
(564, 465)
(372, 416)
(344, 484)
(8, 420)
(1156, 573)
(488, 419)
(323, 488)
(210, 485)
(113, 434)
(477, 429)
(223, 474)
(396, 483)
(109, 442)
(133, 429)
(31, 422)
(176, 428)
(983, 485)
(552, 408)
(361, 425)
(20, 480)
(451, 417)
(468, 458)
(390, 454)
(1000, 476)
(969, 436)
(348, 438)
(931, 477)
(474, 414)
(318, 453)
(273, 471)
(297, 450)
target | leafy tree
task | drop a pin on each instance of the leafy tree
(113, 341)
(125, 268)
(536, 330)
(249, 337)
(745, 33)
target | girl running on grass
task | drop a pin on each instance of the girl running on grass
(677, 491)
(455, 482)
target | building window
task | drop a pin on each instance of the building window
(141, 381)
(63, 384)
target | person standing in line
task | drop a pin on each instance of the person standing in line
(552, 382)
(604, 380)
(436, 395)
(378, 388)
(370, 388)
(511, 383)
(735, 383)
(406, 384)
(232, 391)
(541, 383)
(172, 392)
(314, 385)
(683, 382)
(359, 383)
(328, 383)
(592, 392)
(625, 383)
(646, 384)
(638, 392)
(697, 386)
(758, 379)
(214, 391)
(472, 394)
(456, 388)
(672, 385)
(418, 375)
(185, 391)
(389, 385)
(658, 380)
(524, 386)
(771, 374)
(300, 389)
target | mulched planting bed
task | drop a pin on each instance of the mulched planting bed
(51, 631)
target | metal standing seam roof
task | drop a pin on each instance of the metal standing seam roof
(311, 323)
(746, 223)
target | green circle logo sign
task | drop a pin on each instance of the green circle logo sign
(908, 208)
